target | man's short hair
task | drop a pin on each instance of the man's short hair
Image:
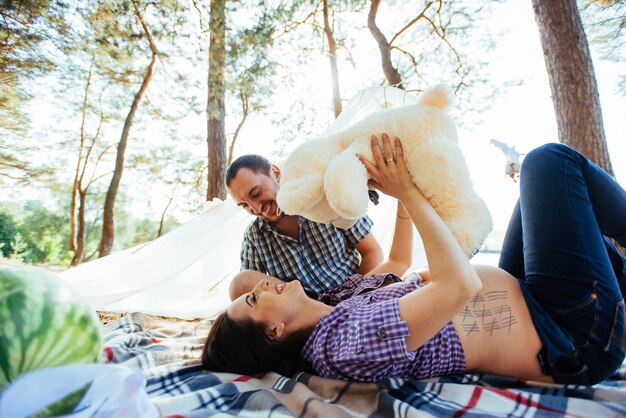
(253, 162)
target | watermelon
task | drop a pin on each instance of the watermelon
(43, 323)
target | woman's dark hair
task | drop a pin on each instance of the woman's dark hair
(254, 162)
(242, 347)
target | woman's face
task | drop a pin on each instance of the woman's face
(271, 302)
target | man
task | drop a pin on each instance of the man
(291, 247)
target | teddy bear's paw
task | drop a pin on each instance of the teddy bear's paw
(469, 223)
(470, 241)
(343, 223)
(348, 205)
(345, 185)
(347, 201)
(321, 213)
(300, 194)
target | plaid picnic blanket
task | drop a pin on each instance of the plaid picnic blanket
(168, 354)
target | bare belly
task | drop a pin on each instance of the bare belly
(496, 330)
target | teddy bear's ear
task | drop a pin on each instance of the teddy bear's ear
(437, 95)
(300, 194)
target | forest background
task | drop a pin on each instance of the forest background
(119, 117)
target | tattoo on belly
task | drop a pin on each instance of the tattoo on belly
(487, 312)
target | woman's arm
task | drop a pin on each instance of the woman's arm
(453, 280)
(401, 251)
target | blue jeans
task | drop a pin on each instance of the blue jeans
(572, 277)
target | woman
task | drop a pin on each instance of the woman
(552, 312)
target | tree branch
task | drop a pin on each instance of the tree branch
(93, 179)
(412, 59)
(411, 23)
(195, 5)
(451, 48)
(293, 25)
(245, 112)
(391, 73)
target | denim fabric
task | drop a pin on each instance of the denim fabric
(572, 277)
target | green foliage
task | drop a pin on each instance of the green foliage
(12, 100)
(42, 229)
(7, 233)
(24, 27)
(32, 233)
(250, 66)
(27, 30)
(605, 25)
(19, 248)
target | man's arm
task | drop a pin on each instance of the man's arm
(371, 253)
(360, 235)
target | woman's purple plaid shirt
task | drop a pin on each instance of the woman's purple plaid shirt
(362, 339)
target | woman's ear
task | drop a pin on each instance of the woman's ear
(275, 331)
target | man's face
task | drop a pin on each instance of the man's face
(256, 192)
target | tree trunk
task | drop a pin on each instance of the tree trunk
(572, 79)
(216, 137)
(332, 54)
(108, 221)
(391, 74)
(75, 186)
(79, 252)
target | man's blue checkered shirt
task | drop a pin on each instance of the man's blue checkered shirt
(322, 259)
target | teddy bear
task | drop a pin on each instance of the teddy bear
(323, 180)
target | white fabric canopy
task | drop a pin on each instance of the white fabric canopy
(186, 272)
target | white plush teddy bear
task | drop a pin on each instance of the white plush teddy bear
(323, 180)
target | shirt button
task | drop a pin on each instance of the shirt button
(382, 333)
